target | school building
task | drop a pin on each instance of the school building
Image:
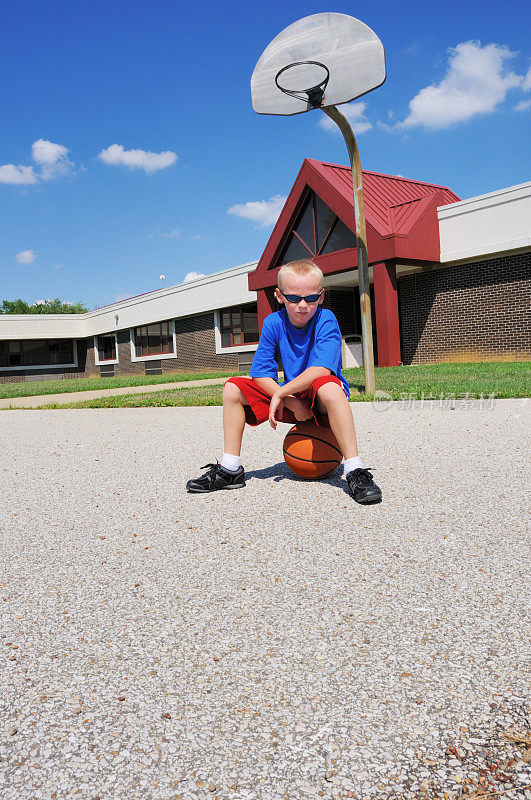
(450, 280)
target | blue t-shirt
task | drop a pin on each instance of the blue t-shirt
(318, 344)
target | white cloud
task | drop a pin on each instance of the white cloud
(52, 158)
(175, 233)
(264, 212)
(412, 48)
(45, 152)
(526, 84)
(195, 237)
(26, 257)
(523, 105)
(475, 83)
(192, 276)
(50, 300)
(137, 159)
(9, 173)
(59, 266)
(355, 113)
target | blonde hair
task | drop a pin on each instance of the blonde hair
(300, 268)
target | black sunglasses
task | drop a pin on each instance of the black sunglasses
(296, 298)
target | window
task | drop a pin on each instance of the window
(36, 352)
(239, 325)
(107, 347)
(318, 230)
(151, 340)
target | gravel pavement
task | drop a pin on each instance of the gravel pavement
(276, 642)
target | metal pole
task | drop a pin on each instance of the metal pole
(361, 239)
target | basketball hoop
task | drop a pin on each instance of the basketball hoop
(328, 52)
(314, 94)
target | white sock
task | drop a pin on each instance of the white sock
(232, 463)
(351, 463)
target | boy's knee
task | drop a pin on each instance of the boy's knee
(331, 393)
(232, 393)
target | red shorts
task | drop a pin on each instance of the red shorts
(258, 409)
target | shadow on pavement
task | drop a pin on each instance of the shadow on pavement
(281, 472)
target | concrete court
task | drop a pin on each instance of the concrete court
(278, 641)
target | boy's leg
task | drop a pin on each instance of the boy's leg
(332, 400)
(233, 418)
(243, 401)
(227, 474)
(237, 410)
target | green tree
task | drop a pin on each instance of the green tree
(54, 306)
(15, 307)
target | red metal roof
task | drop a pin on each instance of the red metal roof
(400, 213)
(390, 200)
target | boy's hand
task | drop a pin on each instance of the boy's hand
(275, 407)
(300, 409)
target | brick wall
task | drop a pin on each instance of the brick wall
(90, 364)
(344, 303)
(196, 351)
(471, 312)
(125, 366)
(196, 347)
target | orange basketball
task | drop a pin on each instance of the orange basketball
(311, 451)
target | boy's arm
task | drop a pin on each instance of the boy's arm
(269, 385)
(300, 408)
(264, 369)
(298, 384)
(303, 381)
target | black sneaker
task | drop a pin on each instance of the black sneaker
(217, 478)
(362, 487)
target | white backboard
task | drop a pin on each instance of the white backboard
(350, 50)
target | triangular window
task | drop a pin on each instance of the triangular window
(317, 230)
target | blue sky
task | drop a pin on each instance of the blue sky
(127, 132)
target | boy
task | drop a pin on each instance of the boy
(308, 340)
